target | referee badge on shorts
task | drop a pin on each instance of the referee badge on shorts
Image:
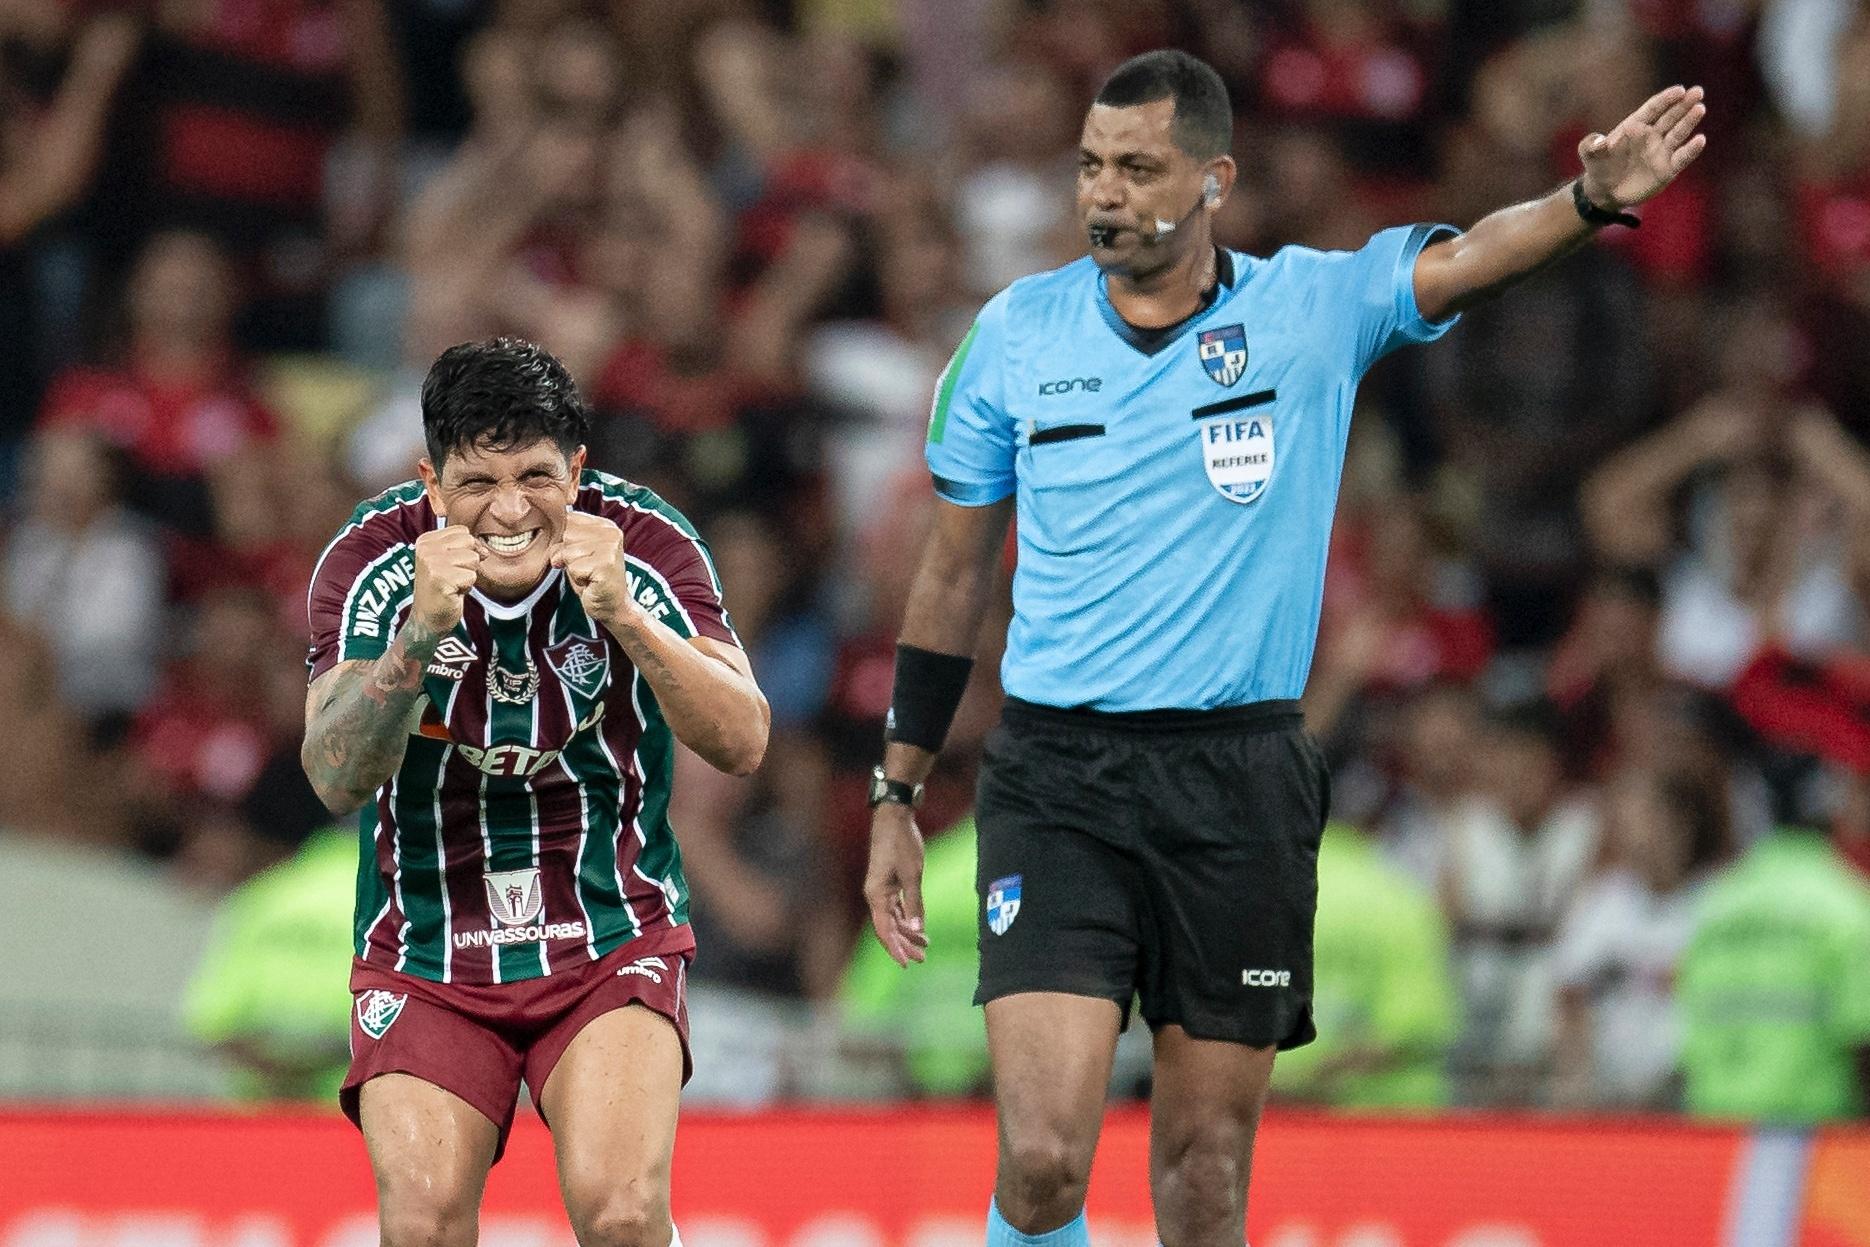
(1002, 903)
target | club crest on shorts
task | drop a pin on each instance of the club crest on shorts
(1002, 903)
(581, 662)
(1237, 452)
(514, 896)
(1223, 353)
(377, 1010)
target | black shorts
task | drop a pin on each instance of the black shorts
(1170, 856)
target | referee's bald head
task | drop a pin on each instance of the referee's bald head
(1204, 119)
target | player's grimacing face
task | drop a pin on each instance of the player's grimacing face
(514, 501)
(1130, 175)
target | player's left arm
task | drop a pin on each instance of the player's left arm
(704, 686)
(1631, 164)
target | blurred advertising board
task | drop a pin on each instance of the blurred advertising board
(920, 1177)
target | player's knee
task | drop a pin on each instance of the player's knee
(632, 1214)
(1043, 1175)
(426, 1219)
(1203, 1175)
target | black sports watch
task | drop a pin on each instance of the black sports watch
(1593, 214)
(883, 788)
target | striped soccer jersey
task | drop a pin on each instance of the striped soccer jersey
(527, 828)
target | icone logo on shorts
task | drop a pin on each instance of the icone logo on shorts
(1266, 978)
(377, 1010)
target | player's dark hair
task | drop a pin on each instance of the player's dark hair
(1204, 120)
(498, 394)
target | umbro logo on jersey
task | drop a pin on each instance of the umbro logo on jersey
(1090, 385)
(378, 1010)
(451, 659)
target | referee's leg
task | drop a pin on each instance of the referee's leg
(1203, 1113)
(1051, 1055)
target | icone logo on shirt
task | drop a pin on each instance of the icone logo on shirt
(1090, 385)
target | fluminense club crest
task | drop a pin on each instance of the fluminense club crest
(581, 662)
(1223, 353)
(377, 1010)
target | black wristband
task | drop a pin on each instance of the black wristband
(928, 689)
(1594, 215)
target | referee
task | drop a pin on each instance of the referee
(1167, 420)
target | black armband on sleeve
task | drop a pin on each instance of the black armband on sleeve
(928, 689)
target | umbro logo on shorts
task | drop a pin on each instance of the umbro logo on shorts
(377, 1010)
(1266, 978)
(648, 967)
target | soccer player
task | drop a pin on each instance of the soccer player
(1167, 420)
(503, 656)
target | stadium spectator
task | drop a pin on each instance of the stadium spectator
(53, 128)
(271, 992)
(1619, 1037)
(1775, 540)
(75, 549)
(1516, 854)
(177, 398)
(1435, 751)
(1386, 1009)
(1775, 987)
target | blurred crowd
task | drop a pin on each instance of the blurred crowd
(1595, 628)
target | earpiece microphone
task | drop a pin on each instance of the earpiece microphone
(1210, 192)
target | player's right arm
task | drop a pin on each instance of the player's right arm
(970, 455)
(357, 714)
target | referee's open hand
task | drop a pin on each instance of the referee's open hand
(893, 884)
(1646, 150)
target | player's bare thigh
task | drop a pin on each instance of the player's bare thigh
(612, 1102)
(1051, 1054)
(430, 1152)
(1204, 1113)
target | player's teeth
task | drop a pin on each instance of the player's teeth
(510, 545)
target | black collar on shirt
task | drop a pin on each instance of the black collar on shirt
(1152, 341)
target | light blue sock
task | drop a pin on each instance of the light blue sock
(1000, 1232)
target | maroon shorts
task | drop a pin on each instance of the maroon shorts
(479, 1041)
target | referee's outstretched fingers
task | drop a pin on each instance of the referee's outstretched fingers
(893, 884)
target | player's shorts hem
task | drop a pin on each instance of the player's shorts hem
(1122, 997)
(350, 1099)
(1254, 1034)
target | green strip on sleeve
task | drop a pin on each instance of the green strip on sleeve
(938, 422)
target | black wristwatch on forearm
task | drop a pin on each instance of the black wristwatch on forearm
(1594, 215)
(883, 788)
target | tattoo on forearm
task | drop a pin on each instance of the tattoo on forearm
(357, 737)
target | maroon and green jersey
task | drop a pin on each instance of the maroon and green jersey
(527, 829)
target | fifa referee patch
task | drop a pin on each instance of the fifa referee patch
(1002, 903)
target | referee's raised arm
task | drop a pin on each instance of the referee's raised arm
(1630, 165)
(934, 657)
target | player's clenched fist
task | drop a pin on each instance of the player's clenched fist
(447, 565)
(591, 552)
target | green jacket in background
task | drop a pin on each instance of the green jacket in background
(1775, 985)
(929, 1008)
(275, 980)
(1381, 982)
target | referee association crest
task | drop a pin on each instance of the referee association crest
(1002, 903)
(1223, 353)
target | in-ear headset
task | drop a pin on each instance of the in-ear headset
(1210, 190)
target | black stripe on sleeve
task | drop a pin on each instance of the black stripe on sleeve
(1259, 398)
(1065, 433)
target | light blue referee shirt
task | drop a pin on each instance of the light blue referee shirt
(1175, 489)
